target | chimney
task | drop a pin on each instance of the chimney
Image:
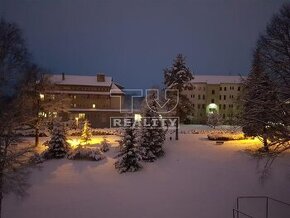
(100, 77)
(63, 76)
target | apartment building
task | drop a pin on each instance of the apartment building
(96, 98)
(210, 93)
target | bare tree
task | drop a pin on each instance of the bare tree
(42, 104)
(14, 157)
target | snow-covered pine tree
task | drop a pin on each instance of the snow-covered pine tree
(151, 137)
(129, 156)
(214, 119)
(86, 132)
(259, 97)
(179, 77)
(58, 147)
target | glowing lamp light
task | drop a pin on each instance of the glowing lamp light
(41, 96)
(137, 117)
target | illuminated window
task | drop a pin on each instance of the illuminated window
(41, 96)
(82, 116)
(75, 105)
(75, 96)
(94, 106)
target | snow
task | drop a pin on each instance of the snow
(196, 178)
(80, 80)
(216, 79)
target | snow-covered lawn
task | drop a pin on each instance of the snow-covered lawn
(196, 179)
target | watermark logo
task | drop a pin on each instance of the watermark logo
(164, 105)
(171, 97)
(144, 122)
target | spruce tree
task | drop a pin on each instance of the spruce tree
(129, 153)
(152, 136)
(179, 77)
(259, 97)
(58, 147)
(86, 132)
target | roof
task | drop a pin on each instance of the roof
(80, 80)
(86, 81)
(217, 79)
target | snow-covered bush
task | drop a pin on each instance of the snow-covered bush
(84, 153)
(129, 153)
(57, 146)
(105, 146)
(225, 136)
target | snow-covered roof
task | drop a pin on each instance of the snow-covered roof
(80, 80)
(217, 79)
(85, 81)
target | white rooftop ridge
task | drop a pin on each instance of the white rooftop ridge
(79, 80)
(217, 79)
(82, 80)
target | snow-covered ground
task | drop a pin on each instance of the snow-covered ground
(195, 179)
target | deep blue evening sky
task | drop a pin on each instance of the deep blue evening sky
(133, 40)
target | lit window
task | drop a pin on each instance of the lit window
(41, 96)
(75, 105)
(82, 116)
(75, 96)
(94, 106)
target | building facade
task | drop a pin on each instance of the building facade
(210, 93)
(95, 98)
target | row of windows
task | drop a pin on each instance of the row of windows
(224, 106)
(89, 96)
(85, 88)
(92, 106)
(212, 101)
(199, 97)
(231, 88)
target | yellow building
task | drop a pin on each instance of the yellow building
(96, 98)
(212, 93)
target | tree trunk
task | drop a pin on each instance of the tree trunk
(265, 142)
(36, 137)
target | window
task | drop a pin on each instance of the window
(198, 97)
(193, 96)
(239, 88)
(220, 97)
(82, 116)
(225, 97)
(198, 106)
(225, 88)
(203, 106)
(203, 97)
(224, 106)
(212, 100)
(221, 88)
(75, 105)
(94, 106)
(41, 96)
(213, 92)
(193, 105)
(75, 97)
